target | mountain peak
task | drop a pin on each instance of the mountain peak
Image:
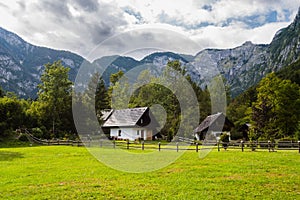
(168, 55)
(248, 43)
(297, 18)
(11, 38)
(284, 47)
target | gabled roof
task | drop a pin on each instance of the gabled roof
(215, 121)
(106, 114)
(125, 117)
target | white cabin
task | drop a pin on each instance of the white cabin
(131, 124)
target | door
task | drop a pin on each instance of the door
(149, 135)
(142, 134)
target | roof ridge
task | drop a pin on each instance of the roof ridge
(130, 108)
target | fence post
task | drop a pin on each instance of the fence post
(127, 143)
(114, 143)
(177, 146)
(299, 145)
(143, 143)
(269, 145)
(219, 145)
(159, 146)
(197, 147)
(242, 145)
(252, 146)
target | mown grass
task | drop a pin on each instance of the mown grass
(56, 172)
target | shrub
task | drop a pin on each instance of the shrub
(37, 132)
(224, 138)
(288, 138)
(23, 138)
(297, 133)
(235, 135)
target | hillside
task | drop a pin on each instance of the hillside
(21, 63)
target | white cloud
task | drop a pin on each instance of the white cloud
(79, 25)
(235, 35)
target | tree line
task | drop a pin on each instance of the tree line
(271, 108)
(50, 115)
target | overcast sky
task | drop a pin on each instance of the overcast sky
(80, 25)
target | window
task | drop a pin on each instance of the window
(141, 121)
(119, 133)
(138, 132)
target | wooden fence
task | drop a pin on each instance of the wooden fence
(36, 140)
(180, 145)
(187, 145)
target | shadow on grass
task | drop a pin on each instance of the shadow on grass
(9, 156)
(13, 143)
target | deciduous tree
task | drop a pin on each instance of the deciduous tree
(55, 97)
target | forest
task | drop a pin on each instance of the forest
(271, 108)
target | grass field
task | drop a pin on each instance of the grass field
(57, 172)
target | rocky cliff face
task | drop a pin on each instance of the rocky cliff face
(285, 47)
(242, 66)
(21, 64)
(246, 65)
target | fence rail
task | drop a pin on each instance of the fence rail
(179, 146)
(182, 144)
(34, 139)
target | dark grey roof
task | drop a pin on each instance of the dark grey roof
(106, 114)
(211, 121)
(125, 118)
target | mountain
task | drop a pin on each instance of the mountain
(242, 66)
(285, 47)
(291, 72)
(21, 63)
(115, 63)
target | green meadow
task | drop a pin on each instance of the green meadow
(65, 172)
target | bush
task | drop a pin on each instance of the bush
(224, 138)
(23, 138)
(37, 132)
(297, 135)
(235, 135)
(288, 138)
(8, 133)
(262, 138)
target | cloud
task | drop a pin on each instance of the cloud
(235, 35)
(147, 39)
(3, 5)
(77, 25)
(80, 25)
(88, 5)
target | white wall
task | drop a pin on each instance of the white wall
(128, 133)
